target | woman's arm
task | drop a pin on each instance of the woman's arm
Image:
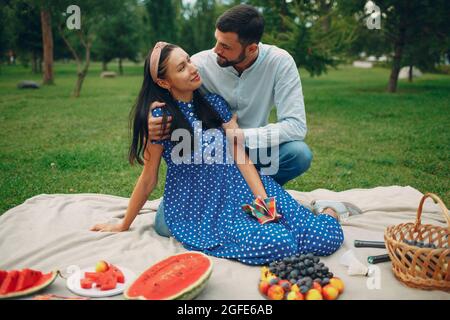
(145, 185)
(245, 165)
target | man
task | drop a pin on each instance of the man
(253, 77)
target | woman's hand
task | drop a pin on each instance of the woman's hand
(108, 227)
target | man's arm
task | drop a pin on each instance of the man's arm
(243, 162)
(289, 103)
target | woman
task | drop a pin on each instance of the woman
(202, 199)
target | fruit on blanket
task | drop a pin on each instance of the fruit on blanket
(92, 276)
(275, 292)
(286, 285)
(182, 276)
(299, 267)
(302, 273)
(314, 294)
(107, 280)
(17, 283)
(329, 292)
(338, 284)
(264, 286)
(3, 275)
(101, 266)
(265, 273)
(295, 295)
(317, 286)
(119, 274)
(104, 280)
(10, 282)
(86, 283)
(295, 287)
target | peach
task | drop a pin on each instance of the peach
(317, 286)
(295, 288)
(295, 295)
(338, 284)
(101, 266)
(264, 286)
(329, 292)
(275, 292)
(314, 294)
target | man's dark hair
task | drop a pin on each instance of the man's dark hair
(244, 20)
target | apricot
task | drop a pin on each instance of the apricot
(264, 287)
(275, 292)
(314, 294)
(101, 266)
(329, 292)
(338, 284)
(295, 295)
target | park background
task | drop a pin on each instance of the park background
(366, 127)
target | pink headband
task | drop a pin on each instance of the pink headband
(154, 59)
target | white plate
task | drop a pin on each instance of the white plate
(73, 284)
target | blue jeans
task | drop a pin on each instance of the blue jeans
(294, 159)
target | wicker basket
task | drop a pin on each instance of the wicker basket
(424, 268)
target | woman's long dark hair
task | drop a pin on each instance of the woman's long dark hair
(151, 92)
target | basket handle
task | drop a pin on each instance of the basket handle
(436, 200)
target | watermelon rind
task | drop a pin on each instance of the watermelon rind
(32, 290)
(190, 292)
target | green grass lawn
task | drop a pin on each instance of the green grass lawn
(361, 136)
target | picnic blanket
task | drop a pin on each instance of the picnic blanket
(51, 231)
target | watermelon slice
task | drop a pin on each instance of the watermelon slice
(182, 276)
(86, 283)
(119, 274)
(10, 282)
(24, 282)
(106, 280)
(92, 276)
(26, 279)
(3, 275)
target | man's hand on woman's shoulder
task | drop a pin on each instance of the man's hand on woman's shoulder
(155, 123)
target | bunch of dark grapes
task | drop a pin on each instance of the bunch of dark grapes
(302, 270)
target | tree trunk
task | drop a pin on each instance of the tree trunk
(80, 79)
(104, 66)
(410, 74)
(47, 41)
(396, 64)
(120, 66)
(82, 74)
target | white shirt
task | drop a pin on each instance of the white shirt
(273, 79)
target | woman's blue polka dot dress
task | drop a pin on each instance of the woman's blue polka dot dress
(202, 207)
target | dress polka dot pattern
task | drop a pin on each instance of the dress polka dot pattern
(202, 207)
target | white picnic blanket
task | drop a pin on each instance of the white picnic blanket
(51, 231)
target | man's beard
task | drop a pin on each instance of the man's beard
(227, 63)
